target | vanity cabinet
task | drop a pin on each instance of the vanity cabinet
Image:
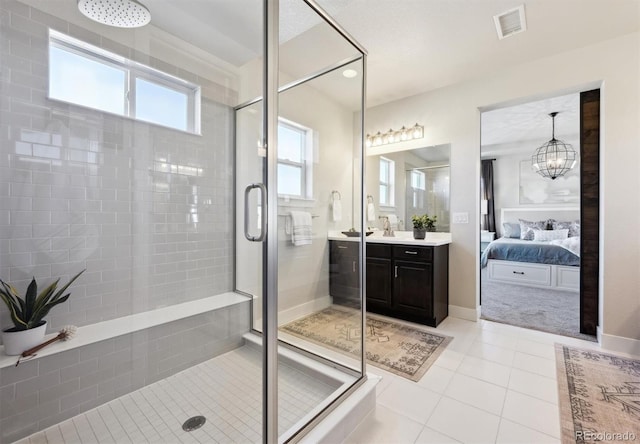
(379, 275)
(344, 264)
(404, 281)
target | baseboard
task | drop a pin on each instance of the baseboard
(469, 314)
(620, 344)
(293, 313)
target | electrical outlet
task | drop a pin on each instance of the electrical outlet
(460, 218)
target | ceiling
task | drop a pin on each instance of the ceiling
(419, 45)
(413, 46)
(522, 128)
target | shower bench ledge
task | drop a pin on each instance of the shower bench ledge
(100, 331)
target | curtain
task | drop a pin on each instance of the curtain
(486, 181)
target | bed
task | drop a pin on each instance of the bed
(548, 259)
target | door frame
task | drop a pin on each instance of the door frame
(590, 110)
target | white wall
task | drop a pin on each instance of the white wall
(506, 179)
(303, 271)
(452, 115)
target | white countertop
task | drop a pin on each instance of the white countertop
(400, 237)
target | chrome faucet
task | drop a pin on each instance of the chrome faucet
(386, 225)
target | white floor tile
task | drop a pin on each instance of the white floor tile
(436, 379)
(494, 383)
(384, 426)
(485, 370)
(449, 359)
(512, 433)
(492, 353)
(409, 399)
(535, 364)
(544, 350)
(430, 436)
(533, 413)
(464, 423)
(497, 338)
(480, 394)
(534, 385)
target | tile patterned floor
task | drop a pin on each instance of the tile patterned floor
(226, 390)
(493, 384)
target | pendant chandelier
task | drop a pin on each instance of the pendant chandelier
(553, 158)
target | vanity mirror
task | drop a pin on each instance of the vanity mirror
(401, 184)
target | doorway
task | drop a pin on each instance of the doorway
(539, 256)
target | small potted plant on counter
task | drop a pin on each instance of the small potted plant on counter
(422, 224)
(27, 313)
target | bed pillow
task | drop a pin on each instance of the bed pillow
(527, 228)
(511, 229)
(550, 235)
(572, 226)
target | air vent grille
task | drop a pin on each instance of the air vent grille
(510, 22)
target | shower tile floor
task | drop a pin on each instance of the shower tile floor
(227, 390)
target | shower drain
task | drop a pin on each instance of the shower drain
(194, 423)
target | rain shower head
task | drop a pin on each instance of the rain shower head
(118, 13)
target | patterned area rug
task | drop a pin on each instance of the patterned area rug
(400, 349)
(599, 396)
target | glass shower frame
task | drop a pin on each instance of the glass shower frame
(268, 235)
(140, 345)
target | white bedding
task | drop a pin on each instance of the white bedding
(571, 243)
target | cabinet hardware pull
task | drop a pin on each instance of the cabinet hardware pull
(410, 252)
(518, 272)
(342, 247)
(396, 271)
(354, 266)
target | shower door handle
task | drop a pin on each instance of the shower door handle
(263, 218)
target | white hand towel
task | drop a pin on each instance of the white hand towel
(371, 212)
(300, 228)
(393, 221)
(337, 210)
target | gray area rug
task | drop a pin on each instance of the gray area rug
(599, 396)
(399, 348)
(553, 311)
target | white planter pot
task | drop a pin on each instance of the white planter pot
(15, 342)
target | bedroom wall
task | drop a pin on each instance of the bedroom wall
(452, 115)
(506, 180)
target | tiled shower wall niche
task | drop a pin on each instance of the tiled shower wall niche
(145, 209)
(45, 391)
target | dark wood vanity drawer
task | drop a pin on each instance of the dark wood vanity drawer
(346, 248)
(409, 252)
(378, 250)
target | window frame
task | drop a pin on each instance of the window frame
(389, 183)
(133, 71)
(306, 164)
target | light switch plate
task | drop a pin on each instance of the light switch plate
(460, 218)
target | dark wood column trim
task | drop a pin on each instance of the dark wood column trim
(589, 209)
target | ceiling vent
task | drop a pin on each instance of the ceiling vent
(510, 22)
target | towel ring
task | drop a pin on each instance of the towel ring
(369, 198)
(333, 193)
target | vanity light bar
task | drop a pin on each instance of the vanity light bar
(395, 136)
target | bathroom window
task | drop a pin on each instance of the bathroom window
(294, 160)
(418, 188)
(89, 76)
(387, 179)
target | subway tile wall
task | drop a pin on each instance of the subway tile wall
(146, 210)
(45, 391)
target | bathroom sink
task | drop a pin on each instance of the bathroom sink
(355, 233)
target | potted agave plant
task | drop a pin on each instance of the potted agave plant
(422, 224)
(28, 312)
